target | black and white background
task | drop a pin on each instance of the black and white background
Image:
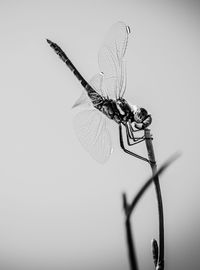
(59, 209)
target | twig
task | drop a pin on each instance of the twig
(160, 253)
(128, 209)
(129, 236)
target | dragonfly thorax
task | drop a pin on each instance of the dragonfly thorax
(121, 112)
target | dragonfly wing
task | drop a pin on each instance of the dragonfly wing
(83, 100)
(91, 129)
(96, 83)
(111, 59)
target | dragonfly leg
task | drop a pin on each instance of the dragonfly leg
(132, 131)
(131, 139)
(133, 143)
(126, 150)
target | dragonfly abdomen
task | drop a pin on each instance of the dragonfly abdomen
(93, 95)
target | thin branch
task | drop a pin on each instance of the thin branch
(149, 146)
(128, 209)
(129, 236)
(146, 185)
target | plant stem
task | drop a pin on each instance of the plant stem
(149, 145)
(146, 185)
(129, 236)
(128, 209)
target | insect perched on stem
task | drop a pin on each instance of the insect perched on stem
(104, 96)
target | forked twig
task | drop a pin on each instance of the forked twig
(128, 209)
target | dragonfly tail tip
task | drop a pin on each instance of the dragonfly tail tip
(49, 41)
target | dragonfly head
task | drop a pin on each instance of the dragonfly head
(140, 114)
(141, 117)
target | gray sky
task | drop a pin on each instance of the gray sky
(59, 208)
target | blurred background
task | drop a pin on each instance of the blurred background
(59, 208)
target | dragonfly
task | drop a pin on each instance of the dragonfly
(103, 99)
